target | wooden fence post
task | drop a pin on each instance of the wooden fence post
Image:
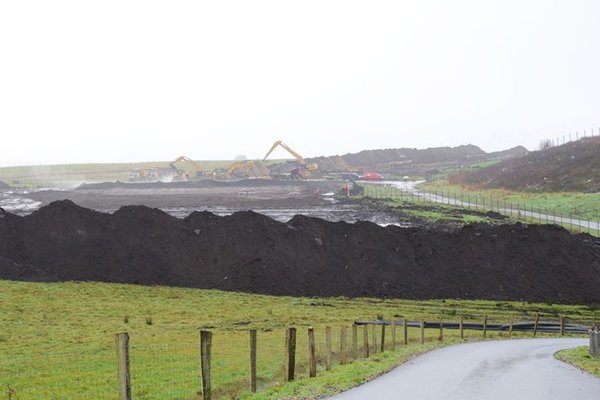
(461, 327)
(252, 360)
(382, 336)
(422, 332)
(312, 356)
(343, 348)
(484, 325)
(205, 357)
(328, 348)
(441, 338)
(535, 325)
(354, 341)
(393, 335)
(374, 338)
(290, 353)
(594, 343)
(405, 326)
(122, 343)
(366, 340)
(562, 326)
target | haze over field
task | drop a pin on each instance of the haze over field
(121, 81)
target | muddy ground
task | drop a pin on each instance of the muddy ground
(281, 200)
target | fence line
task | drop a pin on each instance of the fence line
(305, 353)
(572, 220)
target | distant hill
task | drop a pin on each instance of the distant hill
(405, 158)
(572, 167)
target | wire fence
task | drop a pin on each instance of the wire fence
(579, 221)
(237, 365)
(569, 137)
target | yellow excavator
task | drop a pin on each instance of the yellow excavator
(248, 169)
(298, 169)
(183, 174)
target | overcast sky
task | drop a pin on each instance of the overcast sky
(105, 81)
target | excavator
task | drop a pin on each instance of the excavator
(182, 174)
(248, 169)
(295, 169)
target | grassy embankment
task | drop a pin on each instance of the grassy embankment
(580, 205)
(57, 339)
(581, 358)
(412, 206)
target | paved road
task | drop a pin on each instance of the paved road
(498, 370)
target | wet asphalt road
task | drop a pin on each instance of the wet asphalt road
(507, 369)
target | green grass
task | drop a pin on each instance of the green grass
(583, 205)
(69, 175)
(415, 206)
(581, 358)
(57, 338)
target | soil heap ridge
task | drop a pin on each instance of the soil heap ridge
(574, 166)
(402, 158)
(307, 256)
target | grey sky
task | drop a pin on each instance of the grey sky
(105, 81)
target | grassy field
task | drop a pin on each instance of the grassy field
(492, 200)
(69, 175)
(57, 339)
(581, 358)
(584, 205)
(415, 206)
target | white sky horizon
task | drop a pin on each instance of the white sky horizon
(130, 81)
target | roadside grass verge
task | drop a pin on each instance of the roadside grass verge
(412, 206)
(580, 358)
(580, 205)
(57, 338)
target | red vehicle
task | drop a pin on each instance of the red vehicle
(372, 176)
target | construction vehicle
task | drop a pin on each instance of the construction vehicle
(292, 170)
(248, 169)
(183, 174)
(156, 174)
(372, 176)
(351, 188)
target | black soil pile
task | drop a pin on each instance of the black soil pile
(307, 256)
(574, 166)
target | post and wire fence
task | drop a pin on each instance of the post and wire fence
(226, 364)
(575, 220)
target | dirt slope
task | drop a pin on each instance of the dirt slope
(573, 166)
(405, 158)
(307, 256)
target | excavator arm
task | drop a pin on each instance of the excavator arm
(287, 148)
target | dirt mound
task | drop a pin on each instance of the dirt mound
(382, 159)
(249, 252)
(574, 166)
